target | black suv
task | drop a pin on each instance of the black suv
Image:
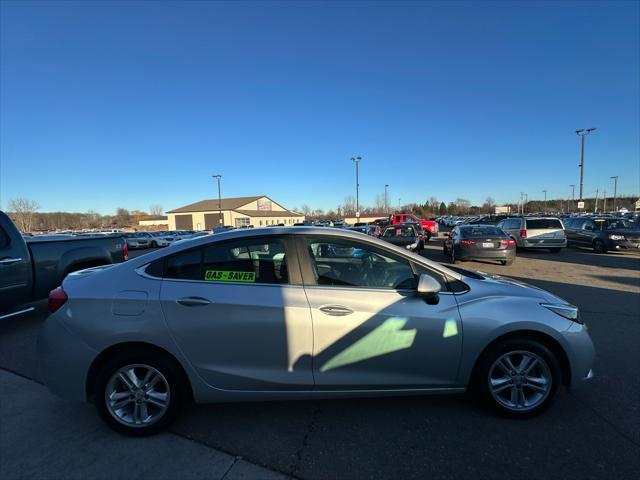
(602, 233)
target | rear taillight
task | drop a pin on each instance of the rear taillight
(507, 242)
(125, 251)
(57, 298)
(565, 233)
(523, 233)
(467, 242)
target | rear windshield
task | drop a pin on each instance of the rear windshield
(481, 232)
(545, 224)
(406, 231)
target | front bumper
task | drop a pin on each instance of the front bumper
(64, 359)
(622, 245)
(580, 353)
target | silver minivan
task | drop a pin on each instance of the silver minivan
(536, 232)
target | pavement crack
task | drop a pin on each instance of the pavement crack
(305, 440)
(233, 464)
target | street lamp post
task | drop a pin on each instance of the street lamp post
(573, 196)
(524, 205)
(386, 203)
(545, 201)
(582, 133)
(218, 177)
(356, 160)
(615, 191)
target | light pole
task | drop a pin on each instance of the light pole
(545, 201)
(386, 203)
(573, 196)
(356, 160)
(524, 205)
(615, 191)
(218, 177)
(582, 133)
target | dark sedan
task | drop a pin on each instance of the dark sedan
(479, 242)
(603, 234)
(406, 235)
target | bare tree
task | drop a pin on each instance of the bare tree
(349, 206)
(379, 206)
(305, 210)
(463, 205)
(156, 210)
(123, 217)
(23, 210)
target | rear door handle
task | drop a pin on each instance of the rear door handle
(193, 302)
(9, 261)
(336, 310)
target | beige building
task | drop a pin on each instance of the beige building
(157, 221)
(364, 218)
(258, 211)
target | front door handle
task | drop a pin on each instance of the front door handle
(193, 302)
(9, 261)
(336, 310)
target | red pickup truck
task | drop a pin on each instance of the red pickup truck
(430, 227)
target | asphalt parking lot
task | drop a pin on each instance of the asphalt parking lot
(592, 432)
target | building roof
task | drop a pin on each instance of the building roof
(154, 217)
(212, 205)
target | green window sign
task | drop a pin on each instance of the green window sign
(229, 276)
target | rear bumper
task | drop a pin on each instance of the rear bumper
(64, 359)
(531, 243)
(471, 254)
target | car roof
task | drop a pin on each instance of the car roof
(276, 231)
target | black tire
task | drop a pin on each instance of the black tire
(599, 246)
(555, 250)
(154, 244)
(427, 237)
(452, 255)
(546, 362)
(171, 374)
(507, 262)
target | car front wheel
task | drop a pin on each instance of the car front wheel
(518, 378)
(599, 246)
(139, 394)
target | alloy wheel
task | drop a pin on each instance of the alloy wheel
(137, 395)
(520, 380)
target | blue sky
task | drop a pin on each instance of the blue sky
(107, 104)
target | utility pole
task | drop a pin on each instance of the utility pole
(615, 192)
(218, 177)
(386, 202)
(524, 205)
(545, 201)
(604, 208)
(356, 160)
(582, 133)
(573, 197)
(596, 207)
(521, 203)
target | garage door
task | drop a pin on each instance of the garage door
(184, 222)
(211, 221)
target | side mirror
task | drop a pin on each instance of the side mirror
(428, 288)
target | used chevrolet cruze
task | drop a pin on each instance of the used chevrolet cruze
(299, 313)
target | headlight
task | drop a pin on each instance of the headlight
(567, 311)
(616, 237)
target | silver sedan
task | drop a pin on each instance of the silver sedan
(300, 313)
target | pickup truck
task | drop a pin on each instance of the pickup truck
(31, 267)
(430, 227)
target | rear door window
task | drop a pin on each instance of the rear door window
(544, 224)
(241, 261)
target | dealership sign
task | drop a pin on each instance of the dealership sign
(580, 204)
(264, 205)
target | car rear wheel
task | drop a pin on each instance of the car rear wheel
(139, 394)
(518, 377)
(507, 262)
(599, 246)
